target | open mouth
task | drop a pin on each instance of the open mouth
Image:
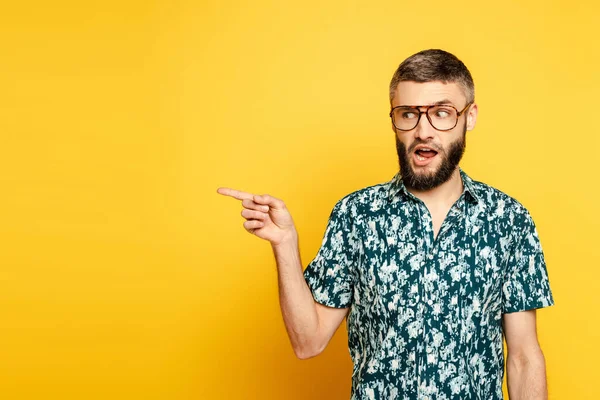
(424, 155)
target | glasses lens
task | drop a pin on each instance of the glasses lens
(443, 117)
(405, 118)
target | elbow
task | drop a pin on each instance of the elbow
(521, 361)
(308, 351)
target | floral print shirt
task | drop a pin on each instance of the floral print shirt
(425, 312)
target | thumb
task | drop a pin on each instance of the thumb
(271, 201)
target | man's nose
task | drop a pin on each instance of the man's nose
(424, 130)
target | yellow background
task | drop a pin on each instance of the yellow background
(124, 275)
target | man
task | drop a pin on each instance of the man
(431, 269)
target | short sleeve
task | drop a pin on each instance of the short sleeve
(526, 285)
(330, 274)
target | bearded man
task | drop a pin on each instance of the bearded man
(431, 269)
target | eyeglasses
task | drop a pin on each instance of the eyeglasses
(442, 117)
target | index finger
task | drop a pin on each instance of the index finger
(238, 194)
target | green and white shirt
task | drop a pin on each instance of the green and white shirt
(425, 313)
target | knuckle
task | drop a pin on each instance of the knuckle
(249, 204)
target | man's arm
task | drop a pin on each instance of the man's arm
(310, 325)
(525, 363)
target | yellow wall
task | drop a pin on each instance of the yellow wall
(124, 275)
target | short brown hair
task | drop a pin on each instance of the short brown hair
(434, 65)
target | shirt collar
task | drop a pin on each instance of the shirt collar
(396, 185)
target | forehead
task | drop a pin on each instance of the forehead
(425, 93)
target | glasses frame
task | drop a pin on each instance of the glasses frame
(426, 112)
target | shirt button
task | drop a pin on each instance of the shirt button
(430, 256)
(430, 302)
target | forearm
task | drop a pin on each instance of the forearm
(526, 377)
(296, 300)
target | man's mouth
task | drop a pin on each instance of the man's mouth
(424, 155)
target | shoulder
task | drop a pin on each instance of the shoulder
(500, 205)
(369, 199)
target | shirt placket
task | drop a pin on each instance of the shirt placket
(429, 250)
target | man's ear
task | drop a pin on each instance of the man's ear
(472, 117)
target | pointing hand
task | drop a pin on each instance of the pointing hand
(267, 217)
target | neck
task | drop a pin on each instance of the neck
(446, 193)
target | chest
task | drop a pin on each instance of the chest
(437, 218)
(440, 261)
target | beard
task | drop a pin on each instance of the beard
(428, 181)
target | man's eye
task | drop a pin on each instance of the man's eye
(408, 115)
(442, 113)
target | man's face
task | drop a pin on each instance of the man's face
(426, 170)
